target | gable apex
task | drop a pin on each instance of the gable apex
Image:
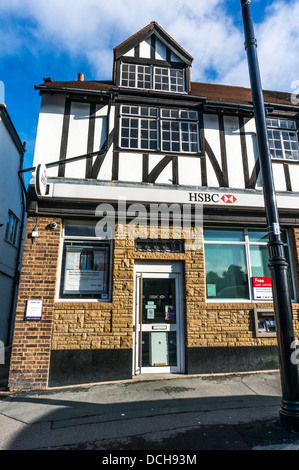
(145, 33)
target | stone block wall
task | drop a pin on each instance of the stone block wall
(109, 325)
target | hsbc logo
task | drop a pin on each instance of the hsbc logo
(212, 198)
(228, 199)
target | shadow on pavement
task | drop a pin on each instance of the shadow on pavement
(191, 424)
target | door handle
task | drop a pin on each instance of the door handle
(159, 327)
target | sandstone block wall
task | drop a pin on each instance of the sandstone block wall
(109, 325)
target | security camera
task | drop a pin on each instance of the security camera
(53, 225)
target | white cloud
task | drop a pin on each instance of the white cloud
(278, 42)
(92, 28)
(213, 44)
(279, 45)
(10, 42)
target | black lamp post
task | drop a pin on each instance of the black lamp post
(289, 410)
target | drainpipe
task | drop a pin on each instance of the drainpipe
(289, 410)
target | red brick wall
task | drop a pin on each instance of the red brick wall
(32, 339)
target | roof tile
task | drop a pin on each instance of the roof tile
(209, 91)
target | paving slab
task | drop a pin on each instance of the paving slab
(149, 413)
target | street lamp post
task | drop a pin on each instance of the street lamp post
(289, 410)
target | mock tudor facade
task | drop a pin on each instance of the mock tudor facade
(98, 301)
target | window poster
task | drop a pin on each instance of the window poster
(150, 313)
(150, 310)
(169, 312)
(262, 288)
(85, 270)
(211, 289)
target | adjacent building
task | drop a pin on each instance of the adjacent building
(12, 213)
(112, 286)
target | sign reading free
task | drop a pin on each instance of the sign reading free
(262, 288)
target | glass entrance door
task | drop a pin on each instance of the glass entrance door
(159, 323)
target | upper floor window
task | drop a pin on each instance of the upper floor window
(139, 128)
(179, 130)
(283, 139)
(11, 228)
(152, 77)
(165, 129)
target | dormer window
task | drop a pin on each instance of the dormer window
(167, 79)
(149, 77)
(152, 60)
(136, 76)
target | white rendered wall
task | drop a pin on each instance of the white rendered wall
(189, 169)
(233, 152)
(160, 50)
(145, 49)
(211, 130)
(48, 144)
(130, 167)
(294, 176)
(279, 177)
(165, 176)
(49, 135)
(251, 146)
(77, 139)
(49, 131)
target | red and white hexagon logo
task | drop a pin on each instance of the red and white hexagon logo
(228, 198)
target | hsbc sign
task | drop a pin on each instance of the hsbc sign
(212, 198)
(228, 199)
(62, 190)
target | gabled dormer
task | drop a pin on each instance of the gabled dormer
(152, 60)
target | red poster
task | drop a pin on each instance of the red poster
(262, 288)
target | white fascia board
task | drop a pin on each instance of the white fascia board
(147, 195)
(144, 194)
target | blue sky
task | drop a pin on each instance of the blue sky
(60, 38)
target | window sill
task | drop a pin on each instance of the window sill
(159, 152)
(66, 303)
(284, 160)
(152, 90)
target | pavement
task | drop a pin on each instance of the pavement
(149, 414)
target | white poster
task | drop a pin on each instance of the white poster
(85, 271)
(34, 309)
(83, 281)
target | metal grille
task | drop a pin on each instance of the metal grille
(160, 246)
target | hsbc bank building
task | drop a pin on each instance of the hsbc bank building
(146, 239)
